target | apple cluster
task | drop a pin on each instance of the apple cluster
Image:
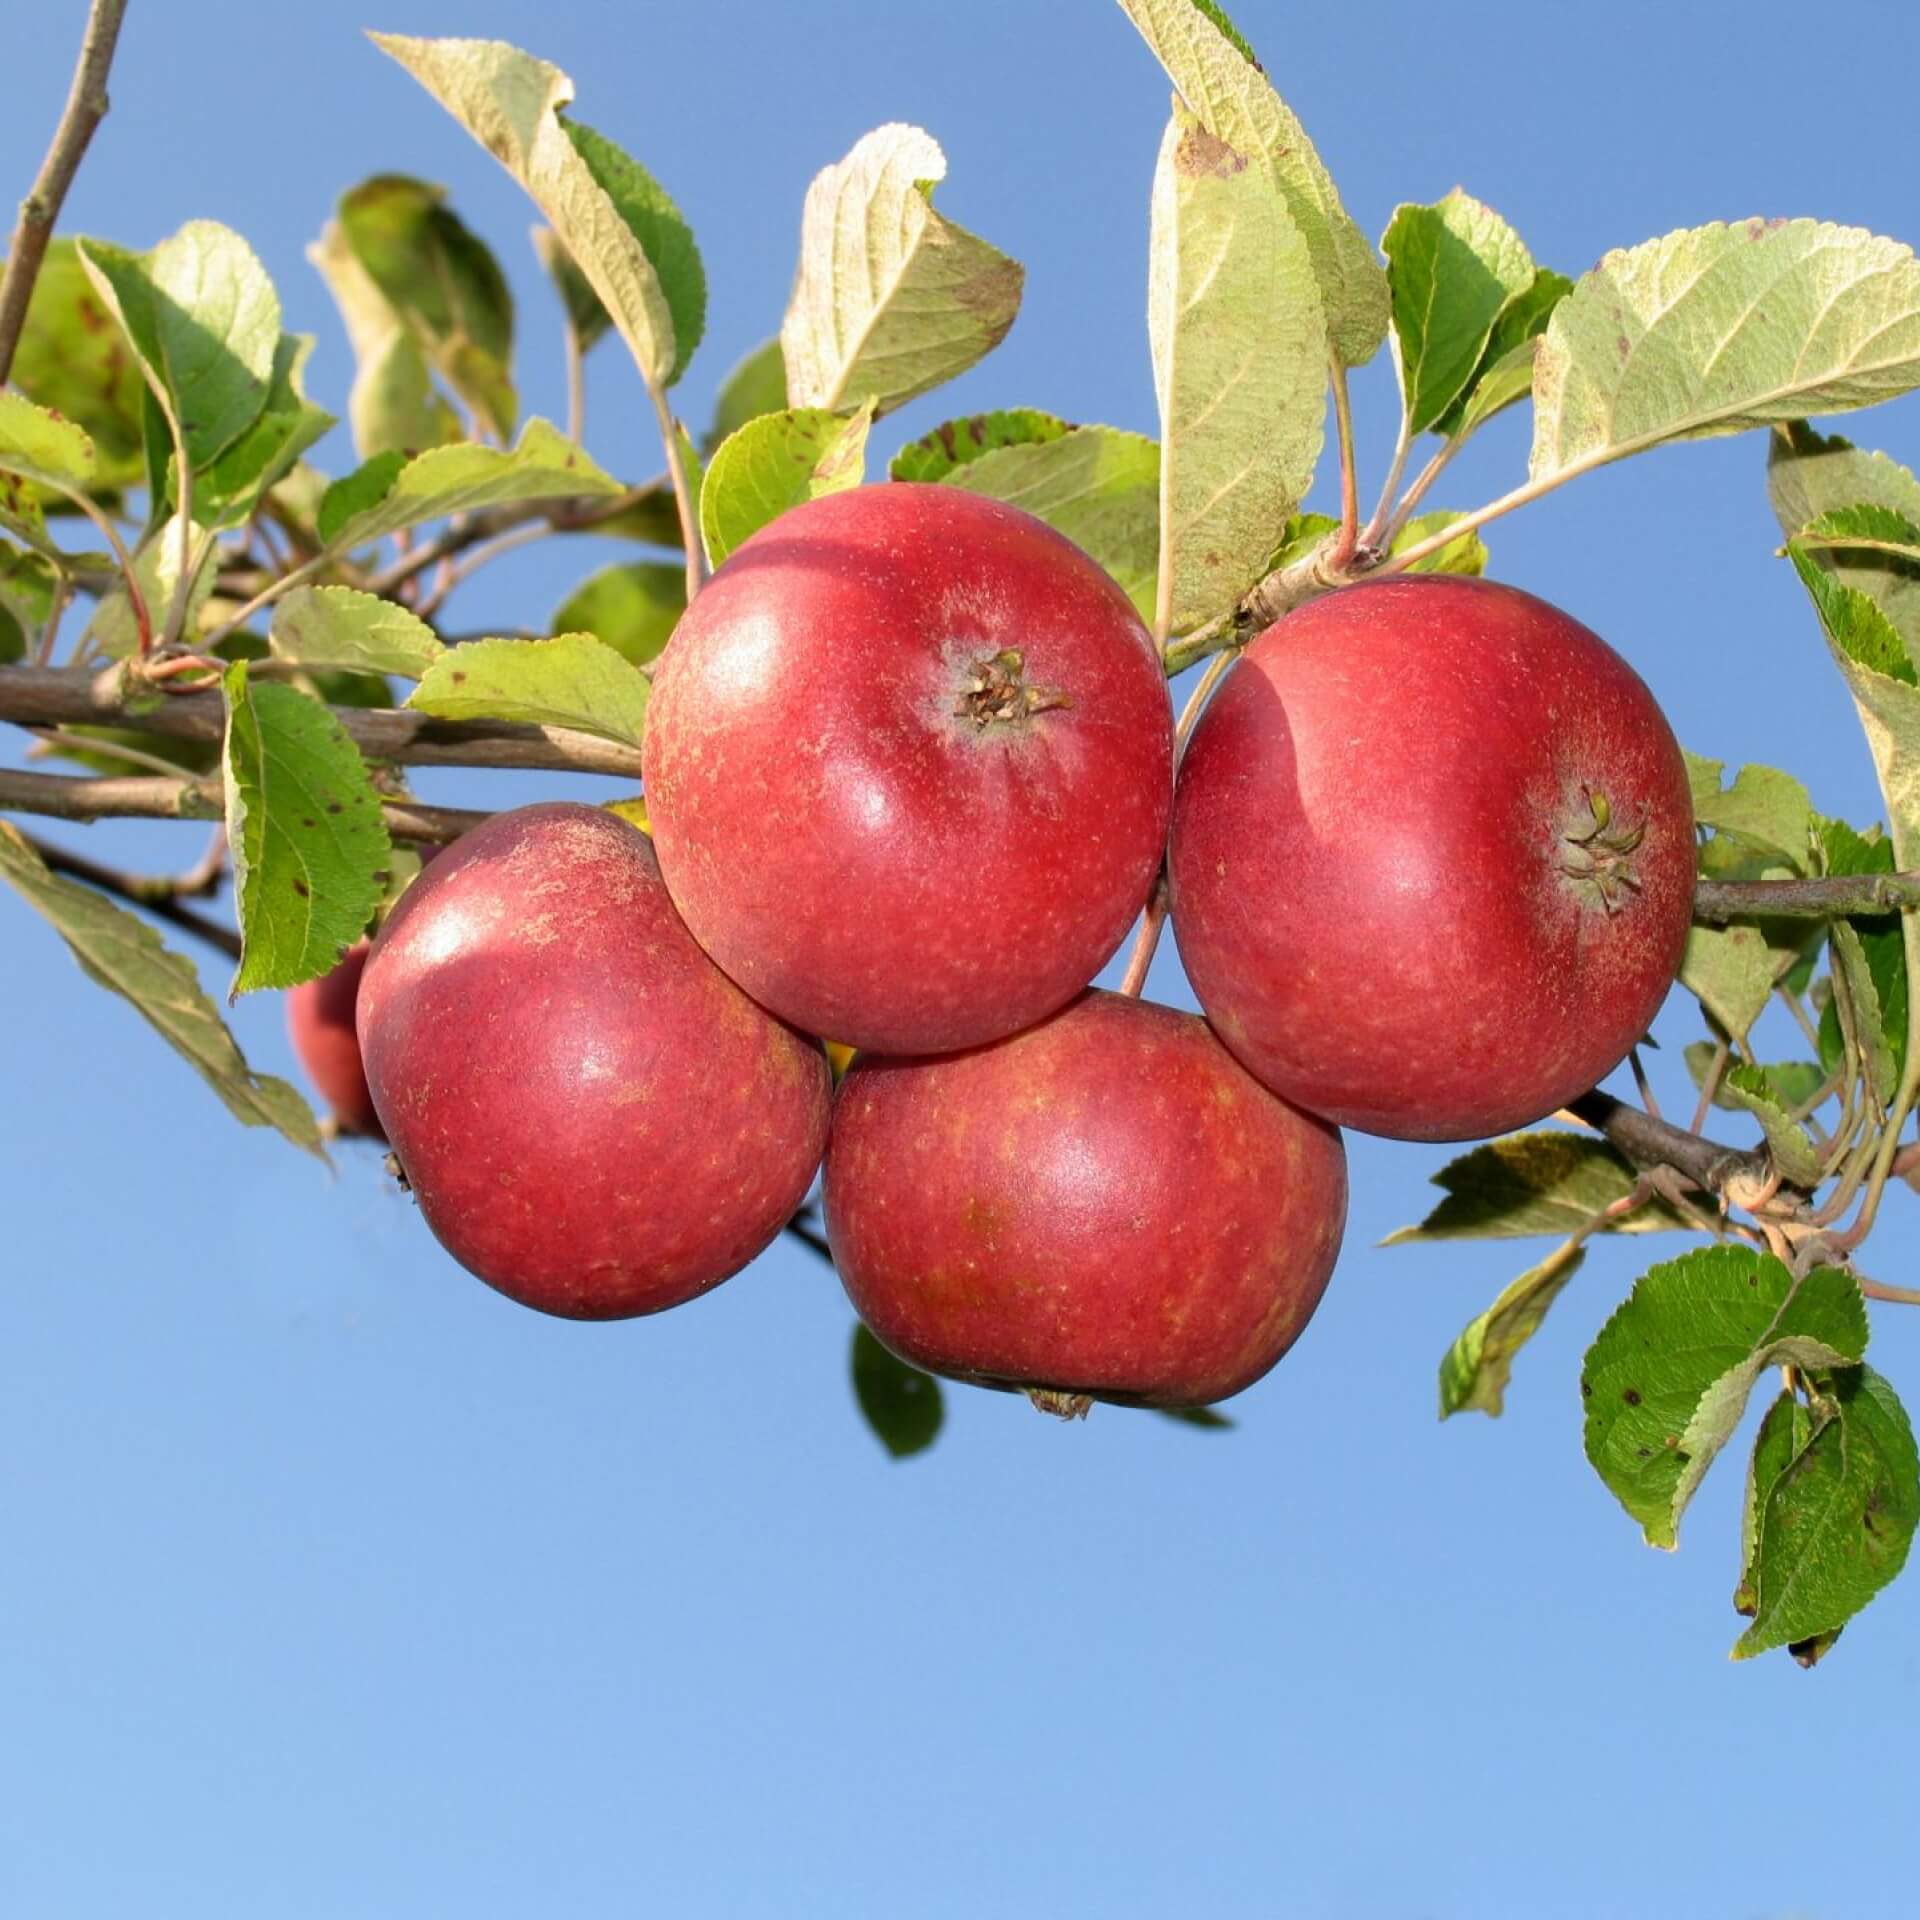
(910, 777)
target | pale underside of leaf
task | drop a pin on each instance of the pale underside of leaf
(1239, 358)
(1714, 329)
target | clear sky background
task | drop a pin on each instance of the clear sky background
(333, 1584)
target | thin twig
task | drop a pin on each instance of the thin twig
(158, 897)
(1348, 536)
(147, 797)
(86, 107)
(50, 697)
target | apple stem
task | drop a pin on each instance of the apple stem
(1349, 535)
(1154, 915)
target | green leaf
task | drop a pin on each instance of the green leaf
(1098, 486)
(1836, 1522)
(664, 236)
(1467, 555)
(1785, 1429)
(1733, 970)
(309, 843)
(1871, 952)
(1794, 1154)
(444, 284)
(338, 627)
(1223, 84)
(71, 358)
(1719, 328)
(39, 445)
(890, 299)
(1533, 1183)
(389, 493)
(936, 455)
(1856, 624)
(1300, 536)
(633, 608)
(1505, 372)
(1810, 476)
(510, 102)
(1878, 528)
(1475, 1370)
(123, 954)
(156, 566)
(774, 463)
(754, 385)
(1790, 1083)
(204, 320)
(1669, 1376)
(1452, 268)
(228, 493)
(1764, 807)
(900, 1403)
(1239, 368)
(572, 680)
(1209, 1419)
(393, 407)
(26, 602)
(584, 311)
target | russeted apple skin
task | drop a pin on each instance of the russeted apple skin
(1107, 1204)
(320, 1023)
(592, 1116)
(1372, 838)
(865, 860)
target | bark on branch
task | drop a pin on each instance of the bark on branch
(86, 107)
(1648, 1142)
(1718, 901)
(55, 697)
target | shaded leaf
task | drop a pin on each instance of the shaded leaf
(901, 1404)
(308, 840)
(1794, 1154)
(1534, 1183)
(1505, 372)
(1764, 807)
(633, 608)
(755, 384)
(123, 954)
(584, 311)
(1475, 1369)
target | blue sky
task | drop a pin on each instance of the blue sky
(334, 1584)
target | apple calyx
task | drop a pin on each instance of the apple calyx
(1060, 1403)
(997, 693)
(1600, 852)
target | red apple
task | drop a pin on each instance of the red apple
(320, 1025)
(1433, 858)
(593, 1118)
(909, 764)
(1107, 1205)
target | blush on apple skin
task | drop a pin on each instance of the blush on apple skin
(850, 823)
(593, 1118)
(1383, 864)
(320, 1024)
(1105, 1205)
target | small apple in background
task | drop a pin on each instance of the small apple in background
(320, 1025)
(592, 1117)
(1106, 1205)
(909, 762)
(1432, 864)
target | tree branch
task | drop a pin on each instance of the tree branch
(53, 697)
(1718, 901)
(86, 107)
(1648, 1142)
(143, 797)
(159, 897)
